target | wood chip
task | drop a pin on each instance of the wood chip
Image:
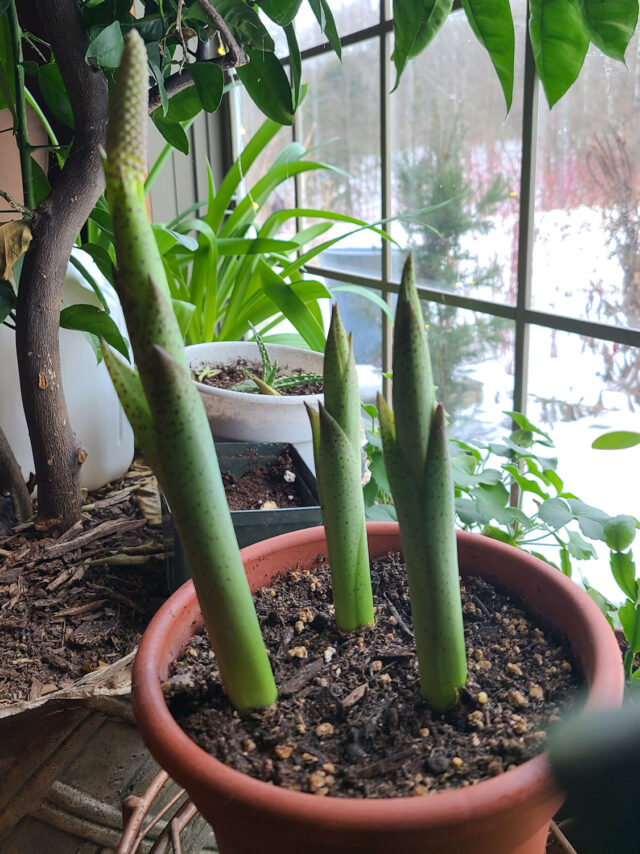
(357, 694)
(116, 526)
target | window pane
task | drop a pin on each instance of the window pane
(350, 16)
(451, 143)
(472, 361)
(341, 115)
(577, 404)
(247, 120)
(586, 252)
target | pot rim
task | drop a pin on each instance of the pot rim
(528, 783)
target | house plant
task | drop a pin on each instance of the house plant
(177, 439)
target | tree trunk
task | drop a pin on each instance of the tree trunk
(12, 481)
(56, 225)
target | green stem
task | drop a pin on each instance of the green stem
(21, 130)
(35, 106)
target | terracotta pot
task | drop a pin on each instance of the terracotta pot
(507, 814)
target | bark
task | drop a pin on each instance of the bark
(57, 223)
(12, 482)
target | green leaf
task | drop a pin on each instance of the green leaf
(492, 23)
(610, 24)
(590, 519)
(616, 440)
(327, 24)
(555, 512)
(623, 570)
(565, 562)
(366, 293)
(282, 12)
(381, 513)
(579, 548)
(90, 318)
(107, 47)
(209, 82)
(526, 484)
(184, 312)
(173, 132)
(491, 500)
(54, 93)
(267, 85)
(601, 601)
(499, 534)
(629, 616)
(559, 44)
(184, 106)
(158, 77)
(523, 422)
(292, 307)
(41, 185)
(415, 23)
(102, 260)
(295, 63)
(620, 532)
(7, 299)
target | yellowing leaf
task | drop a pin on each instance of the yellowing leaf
(15, 237)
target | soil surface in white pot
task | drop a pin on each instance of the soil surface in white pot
(351, 722)
(226, 376)
(265, 487)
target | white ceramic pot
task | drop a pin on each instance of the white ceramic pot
(94, 409)
(240, 416)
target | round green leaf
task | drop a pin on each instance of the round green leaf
(620, 532)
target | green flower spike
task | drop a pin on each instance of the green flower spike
(336, 444)
(416, 457)
(164, 406)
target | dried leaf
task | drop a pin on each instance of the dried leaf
(15, 237)
(147, 497)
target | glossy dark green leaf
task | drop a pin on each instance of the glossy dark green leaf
(616, 440)
(107, 47)
(7, 299)
(184, 105)
(267, 85)
(415, 23)
(209, 83)
(173, 132)
(90, 318)
(559, 44)
(282, 12)
(54, 93)
(102, 260)
(492, 23)
(620, 532)
(327, 24)
(610, 24)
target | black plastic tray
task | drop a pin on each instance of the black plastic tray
(250, 526)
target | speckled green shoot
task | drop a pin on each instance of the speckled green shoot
(337, 452)
(165, 408)
(416, 457)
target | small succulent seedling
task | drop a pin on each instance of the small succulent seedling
(270, 383)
